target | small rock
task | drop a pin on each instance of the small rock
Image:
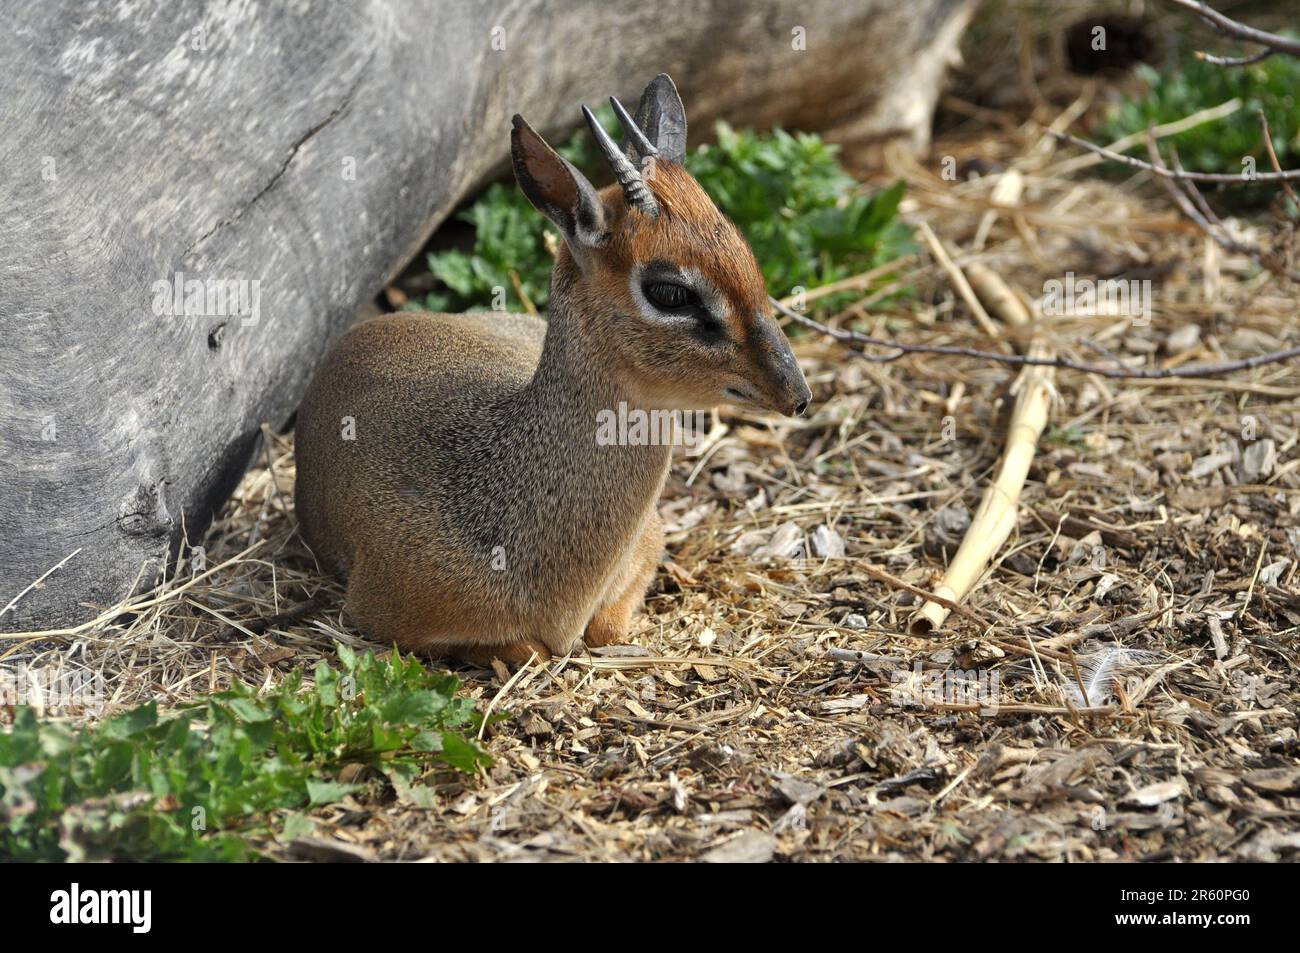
(1183, 339)
(1157, 793)
(786, 543)
(1204, 466)
(946, 531)
(826, 543)
(611, 764)
(748, 543)
(797, 790)
(731, 481)
(907, 806)
(1274, 780)
(1258, 460)
(1021, 563)
(854, 620)
(751, 847)
(714, 756)
(1136, 345)
(1268, 846)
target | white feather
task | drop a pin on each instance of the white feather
(1098, 672)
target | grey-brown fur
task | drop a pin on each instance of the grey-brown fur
(500, 518)
(449, 466)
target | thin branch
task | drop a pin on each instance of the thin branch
(1234, 60)
(1203, 216)
(1191, 189)
(957, 279)
(1231, 178)
(1022, 360)
(1272, 155)
(1228, 27)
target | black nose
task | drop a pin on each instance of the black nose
(800, 408)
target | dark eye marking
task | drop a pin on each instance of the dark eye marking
(670, 296)
(664, 290)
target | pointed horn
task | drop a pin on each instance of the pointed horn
(635, 191)
(634, 134)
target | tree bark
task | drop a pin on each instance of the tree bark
(300, 155)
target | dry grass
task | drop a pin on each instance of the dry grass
(739, 727)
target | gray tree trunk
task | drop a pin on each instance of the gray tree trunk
(298, 155)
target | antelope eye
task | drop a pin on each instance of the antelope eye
(670, 296)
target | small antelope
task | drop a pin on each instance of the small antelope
(448, 465)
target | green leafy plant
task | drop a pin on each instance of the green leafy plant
(806, 218)
(507, 236)
(1272, 85)
(190, 785)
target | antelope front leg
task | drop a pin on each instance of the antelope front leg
(613, 621)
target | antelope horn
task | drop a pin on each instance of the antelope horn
(635, 191)
(634, 133)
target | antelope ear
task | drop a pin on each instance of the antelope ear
(556, 188)
(662, 117)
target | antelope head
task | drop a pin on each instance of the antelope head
(652, 270)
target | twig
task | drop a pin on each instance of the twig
(853, 282)
(1272, 156)
(1116, 630)
(255, 627)
(1228, 27)
(1250, 590)
(523, 295)
(39, 579)
(510, 683)
(127, 606)
(1193, 191)
(1231, 178)
(856, 655)
(959, 282)
(1124, 143)
(889, 579)
(848, 336)
(1214, 229)
(998, 297)
(1234, 60)
(1078, 676)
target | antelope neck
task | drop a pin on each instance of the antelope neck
(559, 409)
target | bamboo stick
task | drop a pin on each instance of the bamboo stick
(996, 516)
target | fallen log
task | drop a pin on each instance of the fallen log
(199, 197)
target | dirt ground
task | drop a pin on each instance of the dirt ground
(1159, 518)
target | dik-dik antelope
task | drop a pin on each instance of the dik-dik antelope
(473, 512)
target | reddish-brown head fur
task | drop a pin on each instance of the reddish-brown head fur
(665, 282)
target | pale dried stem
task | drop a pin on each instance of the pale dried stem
(996, 516)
